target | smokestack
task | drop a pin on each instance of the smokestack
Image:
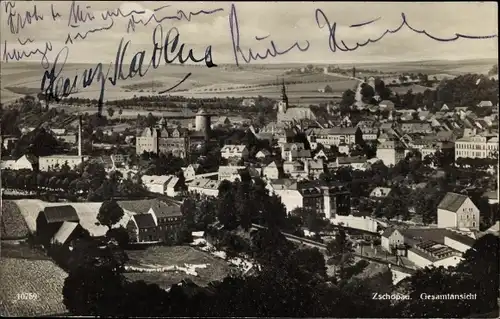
(80, 136)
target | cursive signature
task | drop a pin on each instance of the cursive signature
(18, 55)
(83, 36)
(78, 15)
(336, 44)
(18, 21)
(169, 48)
(181, 15)
(250, 55)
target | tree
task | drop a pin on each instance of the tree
(341, 252)
(120, 235)
(120, 112)
(110, 213)
(348, 98)
(111, 111)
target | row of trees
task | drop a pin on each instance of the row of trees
(89, 181)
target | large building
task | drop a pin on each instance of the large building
(476, 146)
(288, 114)
(323, 198)
(390, 152)
(163, 140)
(457, 211)
(335, 135)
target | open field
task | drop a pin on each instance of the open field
(13, 225)
(164, 256)
(228, 80)
(41, 283)
(13, 249)
(414, 87)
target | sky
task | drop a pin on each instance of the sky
(286, 23)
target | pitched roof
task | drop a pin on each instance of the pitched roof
(160, 208)
(54, 214)
(466, 240)
(144, 220)
(64, 232)
(452, 201)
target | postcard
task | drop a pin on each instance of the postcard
(249, 159)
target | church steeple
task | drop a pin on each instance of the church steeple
(283, 104)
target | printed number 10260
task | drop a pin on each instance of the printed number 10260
(27, 296)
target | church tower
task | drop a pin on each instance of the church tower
(283, 104)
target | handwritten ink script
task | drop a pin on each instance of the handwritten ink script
(166, 42)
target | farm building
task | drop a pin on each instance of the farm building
(154, 221)
(68, 232)
(50, 220)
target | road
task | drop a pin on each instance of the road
(358, 95)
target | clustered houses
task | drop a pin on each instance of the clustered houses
(334, 136)
(458, 220)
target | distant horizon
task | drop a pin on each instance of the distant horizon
(492, 59)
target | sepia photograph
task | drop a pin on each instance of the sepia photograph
(249, 159)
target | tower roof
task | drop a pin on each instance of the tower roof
(201, 112)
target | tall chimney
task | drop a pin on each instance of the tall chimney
(80, 136)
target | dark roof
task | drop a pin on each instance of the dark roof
(388, 232)
(144, 220)
(160, 208)
(416, 235)
(55, 214)
(452, 202)
(466, 240)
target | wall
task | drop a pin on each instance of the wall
(446, 218)
(155, 188)
(291, 198)
(468, 215)
(456, 244)
(418, 260)
(363, 223)
(204, 191)
(387, 156)
(451, 261)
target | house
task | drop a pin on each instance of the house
(485, 104)
(457, 211)
(24, 162)
(369, 133)
(294, 151)
(344, 149)
(444, 108)
(50, 220)
(204, 186)
(430, 253)
(230, 173)
(386, 105)
(380, 192)
(459, 241)
(476, 146)
(390, 152)
(154, 221)
(314, 168)
(334, 135)
(262, 154)
(238, 151)
(248, 102)
(391, 238)
(155, 183)
(326, 154)
(190, 171)
(356, 162)
(52, 162)
(271, 171)
(68, 232)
